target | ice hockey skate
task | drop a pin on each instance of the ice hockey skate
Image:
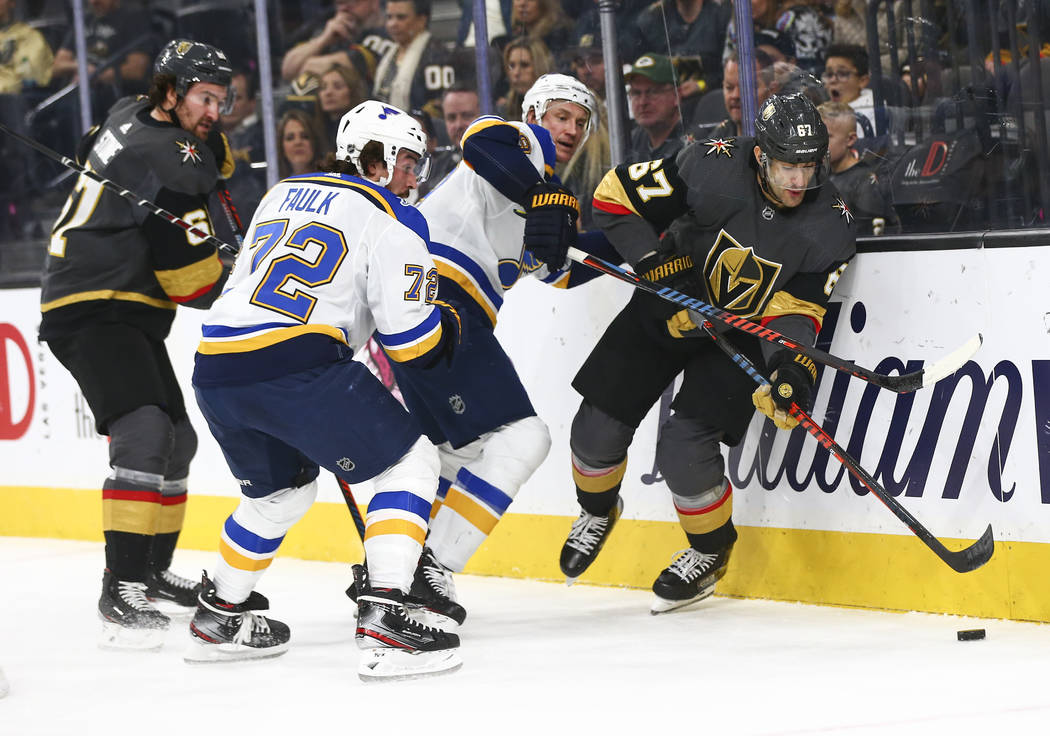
(586, 539)
(691, 577)
(129, 620)
(432, 598)
(393, 646)
(172, 594)
(228, 632)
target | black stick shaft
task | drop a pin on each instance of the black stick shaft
(355, 510)
(963, 560)
(119, 190)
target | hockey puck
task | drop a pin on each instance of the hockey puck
(970, 634)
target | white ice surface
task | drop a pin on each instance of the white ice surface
(582, 660)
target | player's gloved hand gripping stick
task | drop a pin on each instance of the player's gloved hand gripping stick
(903, 384)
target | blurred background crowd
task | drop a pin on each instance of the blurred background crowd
(935, 108)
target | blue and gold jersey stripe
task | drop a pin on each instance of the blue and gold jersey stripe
(469, 276)
(220, 340)
(413, 343)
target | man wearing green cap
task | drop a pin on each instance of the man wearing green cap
(657, 117)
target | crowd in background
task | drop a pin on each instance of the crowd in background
(681, 74)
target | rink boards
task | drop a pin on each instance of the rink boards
(973, 450)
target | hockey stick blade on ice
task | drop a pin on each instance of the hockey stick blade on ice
(902, 384)
(121, 191)
(963, 560)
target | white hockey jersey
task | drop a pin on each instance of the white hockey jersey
(477, 232)
(331, 255)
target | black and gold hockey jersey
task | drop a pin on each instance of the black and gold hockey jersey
(111, 260)
(756, 260)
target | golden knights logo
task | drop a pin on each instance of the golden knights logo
(720, 147)
(843, 209)
(183, 48)
(739, 281)
(190, 153)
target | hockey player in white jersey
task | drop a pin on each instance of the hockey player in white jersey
(500, 215)
(329, 259)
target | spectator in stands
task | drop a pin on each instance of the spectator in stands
(587, 31)
(587, 64)
(809, 26)
(119, 54)
(354, 36)
(764, 14)
(300, 144)
(25, 57)
(778, 46)
(460, 107)
(414, 73)
(855, 177)
(497, 18)
(524, 61)
(846, 78)
(687, 28)
(244, 133)
(765, 85)
(654, 106)
(341, 90)
(543, 20)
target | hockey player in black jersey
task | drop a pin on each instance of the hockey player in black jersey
(112, 281)
(753, 227)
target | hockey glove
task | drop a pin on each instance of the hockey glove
(452, 328)
(551, 212)
(791, 383)
(220, 147)
(675, 272)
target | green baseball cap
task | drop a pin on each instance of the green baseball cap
(656, 67)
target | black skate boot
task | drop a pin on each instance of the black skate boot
(225, 632)
(432, 598)
(691, 577)
(393, 646)
(586, 539)
(129, 620)
(172, 593)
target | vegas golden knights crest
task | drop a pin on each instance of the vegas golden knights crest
(738, 280)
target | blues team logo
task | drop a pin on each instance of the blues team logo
(524, 144)
(843, 209)
(720, 147)
(189, 152)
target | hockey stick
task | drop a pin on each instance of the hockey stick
(963, 560)
(902, 384)
(355, 510)
(233, 219)
(117, 189)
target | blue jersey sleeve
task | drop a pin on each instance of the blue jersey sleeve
(498, 152)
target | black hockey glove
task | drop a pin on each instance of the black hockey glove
(551, 212)
(791, 383)
(675, 272)
(452, 326)
(220, 147)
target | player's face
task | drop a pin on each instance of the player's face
(521, 74)
(787, 182)
(297, 147)
(404, 178)
(566, 122)
(460, 110)
(334, 94)
(199, 110)
(402, 22)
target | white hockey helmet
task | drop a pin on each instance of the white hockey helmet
(393, 128)
(556, 88)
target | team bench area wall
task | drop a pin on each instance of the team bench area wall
(973, 450)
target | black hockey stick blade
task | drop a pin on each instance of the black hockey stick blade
(902, 384)
(963, 560)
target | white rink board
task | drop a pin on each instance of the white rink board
(916, 306)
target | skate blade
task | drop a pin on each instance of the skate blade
(433, 619)
(120, 638)
(663, 605)
(570, 581)
(382, 664)
(203, 652)
(173, 610)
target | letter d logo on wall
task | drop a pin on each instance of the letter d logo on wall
(10, 429)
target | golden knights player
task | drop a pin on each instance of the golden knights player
(751, 226)
(330, 258)
(113, 279)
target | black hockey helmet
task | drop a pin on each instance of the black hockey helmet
(789, 129)
(192, 61)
